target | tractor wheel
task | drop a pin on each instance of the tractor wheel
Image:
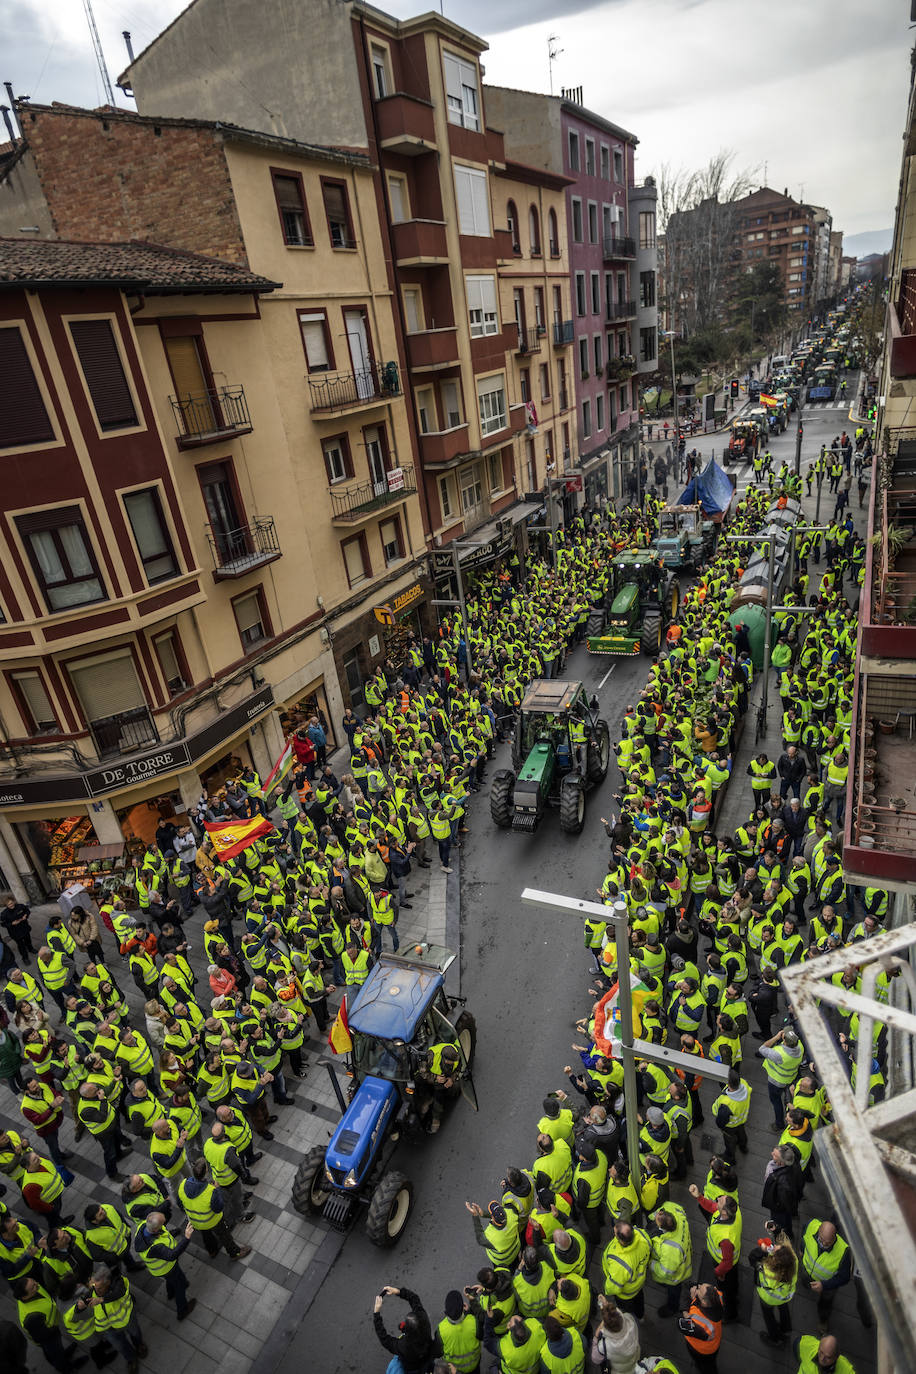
(310, 1192)
(595, 623)
(598, 754)
(651, 634)
(501, 798)
(466, 1030)
(572, 804)
(389, 1209)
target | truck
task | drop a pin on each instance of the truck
(560, 749)
(642, 599)
(686, 538)
(401, 1010)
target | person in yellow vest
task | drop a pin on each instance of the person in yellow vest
(113, 1311)
(100, 1117)
(564, 1349)
(43, 1188)
(229, 1173)
(625, 1262)
(107, 1237)
(40, 1320)
(827, 1265)
(458, 1336)
(160, 1252)
(56, 973)
(356, 965)
(672, 1255)
(202, 1203)
(41, 1107)
(499, 1237)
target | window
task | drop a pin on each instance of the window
(580, 293)
(392, 543)
(586, 419)
(315, 339)
(539, 309)
(61, 557)
(597, 347)
(482, 313)
(647, 228)
(495, 470)
(557, 304)
(291, 207)
(23, 417)
(512, 222)
(426, 409)
(461, 91)
(545, 381)
(446, 498)
(648, 346)
(106, 381)
(193, 381)
(375, 439)
(599, 412)
(605, 162)
(524, 383)
(491, 403)
(573, 151)
(553, 233)
(144, 511)
(337, 460)
(534, 231)
(530, 466)
(251, 618)
(473, 201)
(583, 357)
(353, 675)
(34, 703)
(379, 59)
(592, 222)
(451, 404)
(171, 661)
(590, 157)
(646, 289)
(413, 308)
(618, 165)
(107, 685)
(471, 493)
(576, 219)
(612, 410)
(397, 199)
(596, 293)
(337, 210)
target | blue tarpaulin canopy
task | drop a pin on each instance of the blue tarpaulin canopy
(712, 489)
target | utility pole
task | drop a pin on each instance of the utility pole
(799, 435)
(820, 483)
(551, 512)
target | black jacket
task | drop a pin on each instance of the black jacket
(782, 1191)
(413, 1348)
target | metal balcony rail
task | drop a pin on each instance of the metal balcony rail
(621, 311)
(365, 386)
(906, 301)
(353, 502)
(619, 246)
(562, 332)
(529, 341)
(123, 732)
(235, 551)
(211, 414)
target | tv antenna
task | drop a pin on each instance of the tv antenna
(97, 48)
(553, 52)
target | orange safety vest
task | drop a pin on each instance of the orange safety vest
(697, 1078)
(711, 1345)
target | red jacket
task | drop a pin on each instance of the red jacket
(304, 749)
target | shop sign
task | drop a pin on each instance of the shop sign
(164, 760)
(407, 598)
(574, 483)
(27, 793)
(230, 722)
(384, 615)
(441, 564)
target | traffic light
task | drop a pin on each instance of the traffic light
(734, 386)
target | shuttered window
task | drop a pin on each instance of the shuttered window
(481, 293)
(187, 371)
(61, 557)
(107, 685)
(23, 417)
(315, 338)
(37, 709)
(294, 220)
(338, 214)
(250, 619)
(144, 511)
(473, 201)
(104, 373)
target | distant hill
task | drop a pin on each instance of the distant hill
(872, 241)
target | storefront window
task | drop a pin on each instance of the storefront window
(313, 702)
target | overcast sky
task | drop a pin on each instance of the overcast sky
(811, 93)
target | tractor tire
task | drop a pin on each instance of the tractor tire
(572, 804)
(598, 755)
(308, 1193)
(466, 1030)
(501, 792)
(650, 636)
(595, 623)
(391, 1205)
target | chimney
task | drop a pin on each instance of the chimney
(125, 34)
(5, 111)
(785, 191)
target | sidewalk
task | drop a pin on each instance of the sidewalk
(247, 1308)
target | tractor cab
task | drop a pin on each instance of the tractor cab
(685, 537)
(643, 598)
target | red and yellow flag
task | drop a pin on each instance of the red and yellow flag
(768, 400)
(231, 837)
(339, 1037)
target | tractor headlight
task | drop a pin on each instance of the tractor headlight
(351, 1180)
(328, 1174)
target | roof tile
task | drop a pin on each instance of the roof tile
(150, 266)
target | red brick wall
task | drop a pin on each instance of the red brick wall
(109, 178)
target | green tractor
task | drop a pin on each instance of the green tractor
(643, 598)
(560, 749)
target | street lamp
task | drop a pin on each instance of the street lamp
(669, 335)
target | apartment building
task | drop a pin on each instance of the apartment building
(775, 228)
(642, 201)
(560, 134)
(304, 217)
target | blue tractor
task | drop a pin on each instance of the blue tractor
(400, 1012)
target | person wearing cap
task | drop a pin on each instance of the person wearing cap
(782, 1055)
(458, 1336)
(499, 1237)
(558, 1120)
(655, 1136)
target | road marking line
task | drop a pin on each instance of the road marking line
(606, 676)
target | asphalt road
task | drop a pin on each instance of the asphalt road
(524, 974)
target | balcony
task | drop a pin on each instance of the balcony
(618, 246)
(562, 333)
(529, 340)
(507, 246)
(430, 349)
(405, 125)
(420, 243)
(562, 398)
(442, 447)
(623, 310)
(888, 628)
(236, 552)
(902, 328)
(880, 838)
(124, 732)
(211, 416)
(351, 504)
(333, 392)
(619, 369)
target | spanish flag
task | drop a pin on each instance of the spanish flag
(280, 769)
(231, 837)
(768, 400)
(339, 1037)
